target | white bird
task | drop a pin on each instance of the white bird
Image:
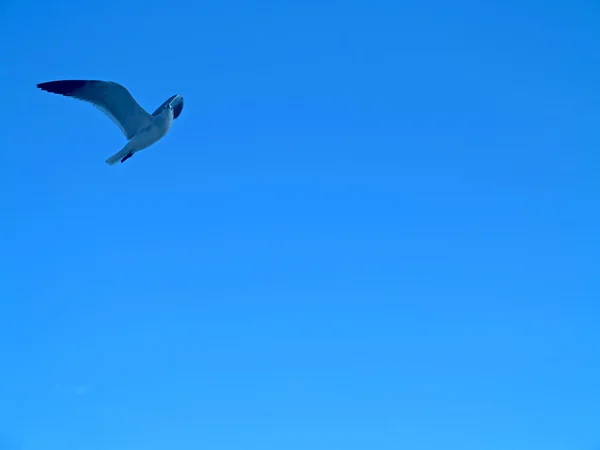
(140, 128)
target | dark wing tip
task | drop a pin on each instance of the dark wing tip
(178, 109)
(63, 87)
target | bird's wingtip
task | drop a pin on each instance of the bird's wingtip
(63, 87)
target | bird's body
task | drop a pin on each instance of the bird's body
(140, 128)
(144, 138)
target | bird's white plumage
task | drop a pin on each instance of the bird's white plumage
(161, 123)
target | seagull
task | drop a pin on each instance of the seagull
(140, 128)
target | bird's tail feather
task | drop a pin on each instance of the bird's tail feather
(114, 159)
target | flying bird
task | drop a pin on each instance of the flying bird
(140, 128)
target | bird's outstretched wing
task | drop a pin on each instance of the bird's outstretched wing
(109, 97)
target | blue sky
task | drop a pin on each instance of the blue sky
(374, 226)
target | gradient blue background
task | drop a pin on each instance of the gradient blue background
(375, 226)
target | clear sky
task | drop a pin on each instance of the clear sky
(374, 226)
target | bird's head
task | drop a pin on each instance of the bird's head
(174, 103)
